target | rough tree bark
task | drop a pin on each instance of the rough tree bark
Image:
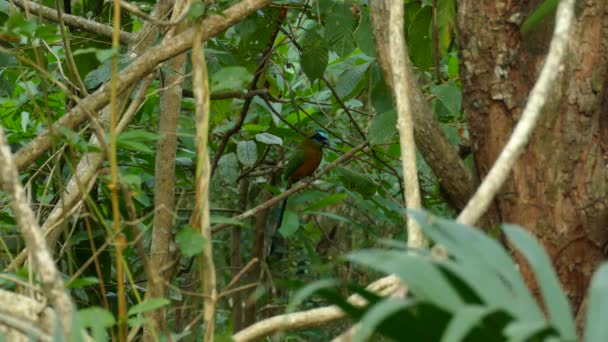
(558, 188)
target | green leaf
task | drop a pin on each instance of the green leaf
(83, 282)
(247, 152)
(596, 329)
(363, 34)
(419, 42)
(470, 245)
(315, 55)
(383, 128)
(228, 168)
(349, 79)
(555, 300)
(463, 322)
(381, 97)
(446, 21)
(134, 146)
(97, 319)
(422, 277)
(519, 331)
(139, 135)
(355, 181)
(450, 96)
(268, 139)
(543, 10)
(214, 219)
(378, 314)
(329, 200)
(339, 28)
(148, 305)
(190, 241)
(230, 78)
(290, 224)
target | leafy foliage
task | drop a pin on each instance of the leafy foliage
(475, 294)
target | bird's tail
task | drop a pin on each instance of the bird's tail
(273, 243)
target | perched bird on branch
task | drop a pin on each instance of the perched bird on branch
(303, 162)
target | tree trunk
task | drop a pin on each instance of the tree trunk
(558, 188)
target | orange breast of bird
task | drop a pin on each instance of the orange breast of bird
(312, 158)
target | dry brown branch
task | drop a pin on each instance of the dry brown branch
(73, 21)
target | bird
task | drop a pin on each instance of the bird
(303, 162)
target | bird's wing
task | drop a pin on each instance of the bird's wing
(295, 161)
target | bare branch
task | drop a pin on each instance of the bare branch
(73, 21)
(52, 285)
(398, 59)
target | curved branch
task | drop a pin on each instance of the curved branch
(387, 286)
(531, 113)
(73, 21)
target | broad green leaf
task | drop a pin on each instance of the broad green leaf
(214, 219)
(82, 282)
(519, 331)
(419, 42)
(315, 55)
(290, 224)
(329, 200)
(268, 139)
(98, 320)
(450, 96)
(490, 287)
(446, 22)
(230, 78)
(470, 245)
(134, 146)
(357, 182)
(381, 97)
(383, 128)
(348, 80)
(228, 168)
(555, 300)
(596, 329)
(463, 322)
(378, 314)
(139, 135)
(247, 152)
(190, 241)
(363, 34)
(147, 305)
(421, 276)
(339, 28)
